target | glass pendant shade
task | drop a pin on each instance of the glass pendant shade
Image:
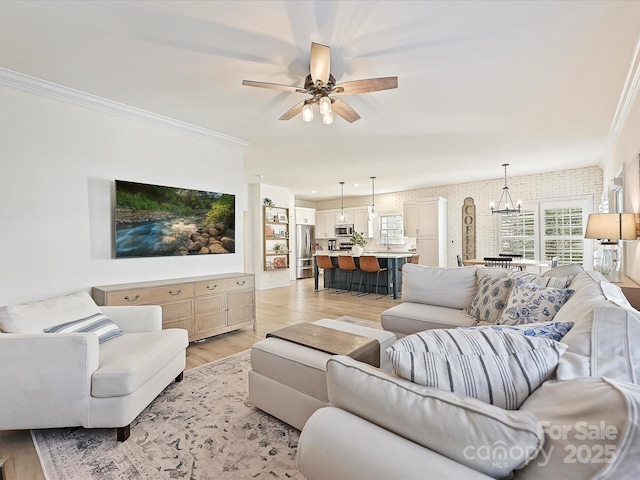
(307, 112)
(327, 118)
(325, 105)
(341, 217)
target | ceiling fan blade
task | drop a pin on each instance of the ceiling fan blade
(293, 111)
(366, 86)
(274, 86)
(320, 63)
(345, 111)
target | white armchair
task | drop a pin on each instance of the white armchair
(70, 379)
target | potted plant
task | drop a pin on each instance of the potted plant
(279, 248)
(358, 243)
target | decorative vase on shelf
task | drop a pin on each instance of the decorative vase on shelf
(357, 250)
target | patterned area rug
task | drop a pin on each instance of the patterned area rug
(202, 428)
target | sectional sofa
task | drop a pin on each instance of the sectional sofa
(580, 420)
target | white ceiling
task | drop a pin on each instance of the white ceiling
(534, 84)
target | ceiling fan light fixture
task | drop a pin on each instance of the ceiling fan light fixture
(325, 105)
(307, 112)
(327, 118)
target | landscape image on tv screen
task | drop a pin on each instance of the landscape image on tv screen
(153, 221)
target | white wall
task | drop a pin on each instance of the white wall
(59, 162)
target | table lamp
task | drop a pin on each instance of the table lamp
(610, 228)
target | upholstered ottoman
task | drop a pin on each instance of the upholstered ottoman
(289, 381)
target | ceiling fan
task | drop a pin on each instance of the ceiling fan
(321, 85)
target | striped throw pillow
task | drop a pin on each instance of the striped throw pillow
(499, 368)
(98, 324)
(540, 280)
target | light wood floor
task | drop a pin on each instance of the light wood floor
(275, 308)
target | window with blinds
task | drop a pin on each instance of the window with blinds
(518, 234)
(391, 229)
(547, 229)
(562, 236)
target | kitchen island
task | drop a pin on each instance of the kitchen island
(390, 260)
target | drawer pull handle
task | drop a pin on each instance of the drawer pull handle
(241, 284)
(131, 299)
(177, 293)
(209, 287)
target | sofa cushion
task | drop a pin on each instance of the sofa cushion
(592, 430)
(409, 317)
(128, 361)
(443, 287)
(490, 298)
(454, 426)
(530, 303)
(551, 330)
(98, 324)
(570, 270)
(499, 368)
(542, 280)
(34, 317)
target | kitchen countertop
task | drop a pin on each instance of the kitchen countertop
(337, 253)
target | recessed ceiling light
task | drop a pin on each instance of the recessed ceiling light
(314, 191)
(356, 185)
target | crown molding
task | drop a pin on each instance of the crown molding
(627, 98)
(48, 89)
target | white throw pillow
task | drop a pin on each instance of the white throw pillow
(499, 368)
(99, 324)
(530, 303)
(541, 280)
(490, 298)
(464, 429)
(592, 430)
(34, 317)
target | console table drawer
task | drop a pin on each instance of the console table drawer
(224, 285)
(146, 296)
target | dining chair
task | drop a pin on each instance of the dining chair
(459, 259)
(325, 263)
(370, 264)
(512, 255)
(554, 262)
(347, 266)
(500, 262)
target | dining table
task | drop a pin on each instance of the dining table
(516, 262)
(391, 260)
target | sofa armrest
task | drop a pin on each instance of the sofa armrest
(338, 445)
(138, 319)
(46, 379)
(449, 424)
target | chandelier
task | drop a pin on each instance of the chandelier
(508, 206)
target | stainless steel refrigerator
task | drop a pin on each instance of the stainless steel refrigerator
(305, 248)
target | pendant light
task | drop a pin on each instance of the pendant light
(341, 216)
(307, 112)
(508, 207)
(372, 215)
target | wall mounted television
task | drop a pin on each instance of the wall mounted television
(155, 220)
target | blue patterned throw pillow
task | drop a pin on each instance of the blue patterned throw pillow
(551, 330)
(490, 298)
(530, 303)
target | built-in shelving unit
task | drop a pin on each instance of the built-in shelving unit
(276, 238)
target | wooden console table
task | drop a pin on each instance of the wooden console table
(204, 306)
(331, 341)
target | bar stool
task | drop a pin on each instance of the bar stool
(324, 262)
(370, 264)
(412, 259)
(347, 264)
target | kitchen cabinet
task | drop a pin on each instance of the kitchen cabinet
(325, 224)
(305, 216)
(361, 221)
(426, 220)
(276, 249)
(204, 306)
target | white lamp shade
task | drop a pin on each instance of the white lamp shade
(611, 226)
